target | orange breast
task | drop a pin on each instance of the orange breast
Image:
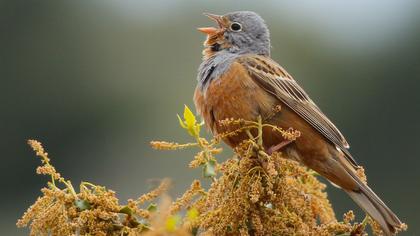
(233, 95)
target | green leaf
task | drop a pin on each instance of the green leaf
(181, 122)
(152, 207)
(190, 122)
(172, 223)
(189, 117)
(209, 169)
(82, 204)
(126, 210)
(192, 214)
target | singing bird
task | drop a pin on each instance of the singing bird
(238, 79)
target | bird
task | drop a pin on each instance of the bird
(238, 79)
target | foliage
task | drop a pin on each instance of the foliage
(252, 193)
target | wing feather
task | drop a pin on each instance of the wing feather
(273, 78)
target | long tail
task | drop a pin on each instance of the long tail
(376, 209)
(367, 199)
(342, 173)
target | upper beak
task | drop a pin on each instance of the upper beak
(212, 30)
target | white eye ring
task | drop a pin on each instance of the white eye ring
(235, 26)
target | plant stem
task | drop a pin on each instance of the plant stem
(260, 139)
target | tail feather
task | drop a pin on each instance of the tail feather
(375, 208)
(366, 199)
(341, 172)
(369, 201)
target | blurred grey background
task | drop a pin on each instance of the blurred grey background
(96, 80)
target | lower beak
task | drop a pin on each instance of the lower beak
(208, 30)
(212, 30)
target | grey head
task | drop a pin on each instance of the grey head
(238, 33)
(247, 33)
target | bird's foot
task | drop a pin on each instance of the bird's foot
(277, 147)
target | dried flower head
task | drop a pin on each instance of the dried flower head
(95, 210)
(252, 193)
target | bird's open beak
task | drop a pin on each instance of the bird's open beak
(212, 30)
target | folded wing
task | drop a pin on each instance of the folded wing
(275, 80)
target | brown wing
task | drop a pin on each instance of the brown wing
(274, 79)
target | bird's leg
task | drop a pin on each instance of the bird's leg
(279, 146)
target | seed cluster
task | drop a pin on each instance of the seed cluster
(252, 193)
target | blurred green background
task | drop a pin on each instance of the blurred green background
(96, 80)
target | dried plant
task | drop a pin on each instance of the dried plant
(252, 193)
(95, 210)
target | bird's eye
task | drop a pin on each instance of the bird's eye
(235, 26)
